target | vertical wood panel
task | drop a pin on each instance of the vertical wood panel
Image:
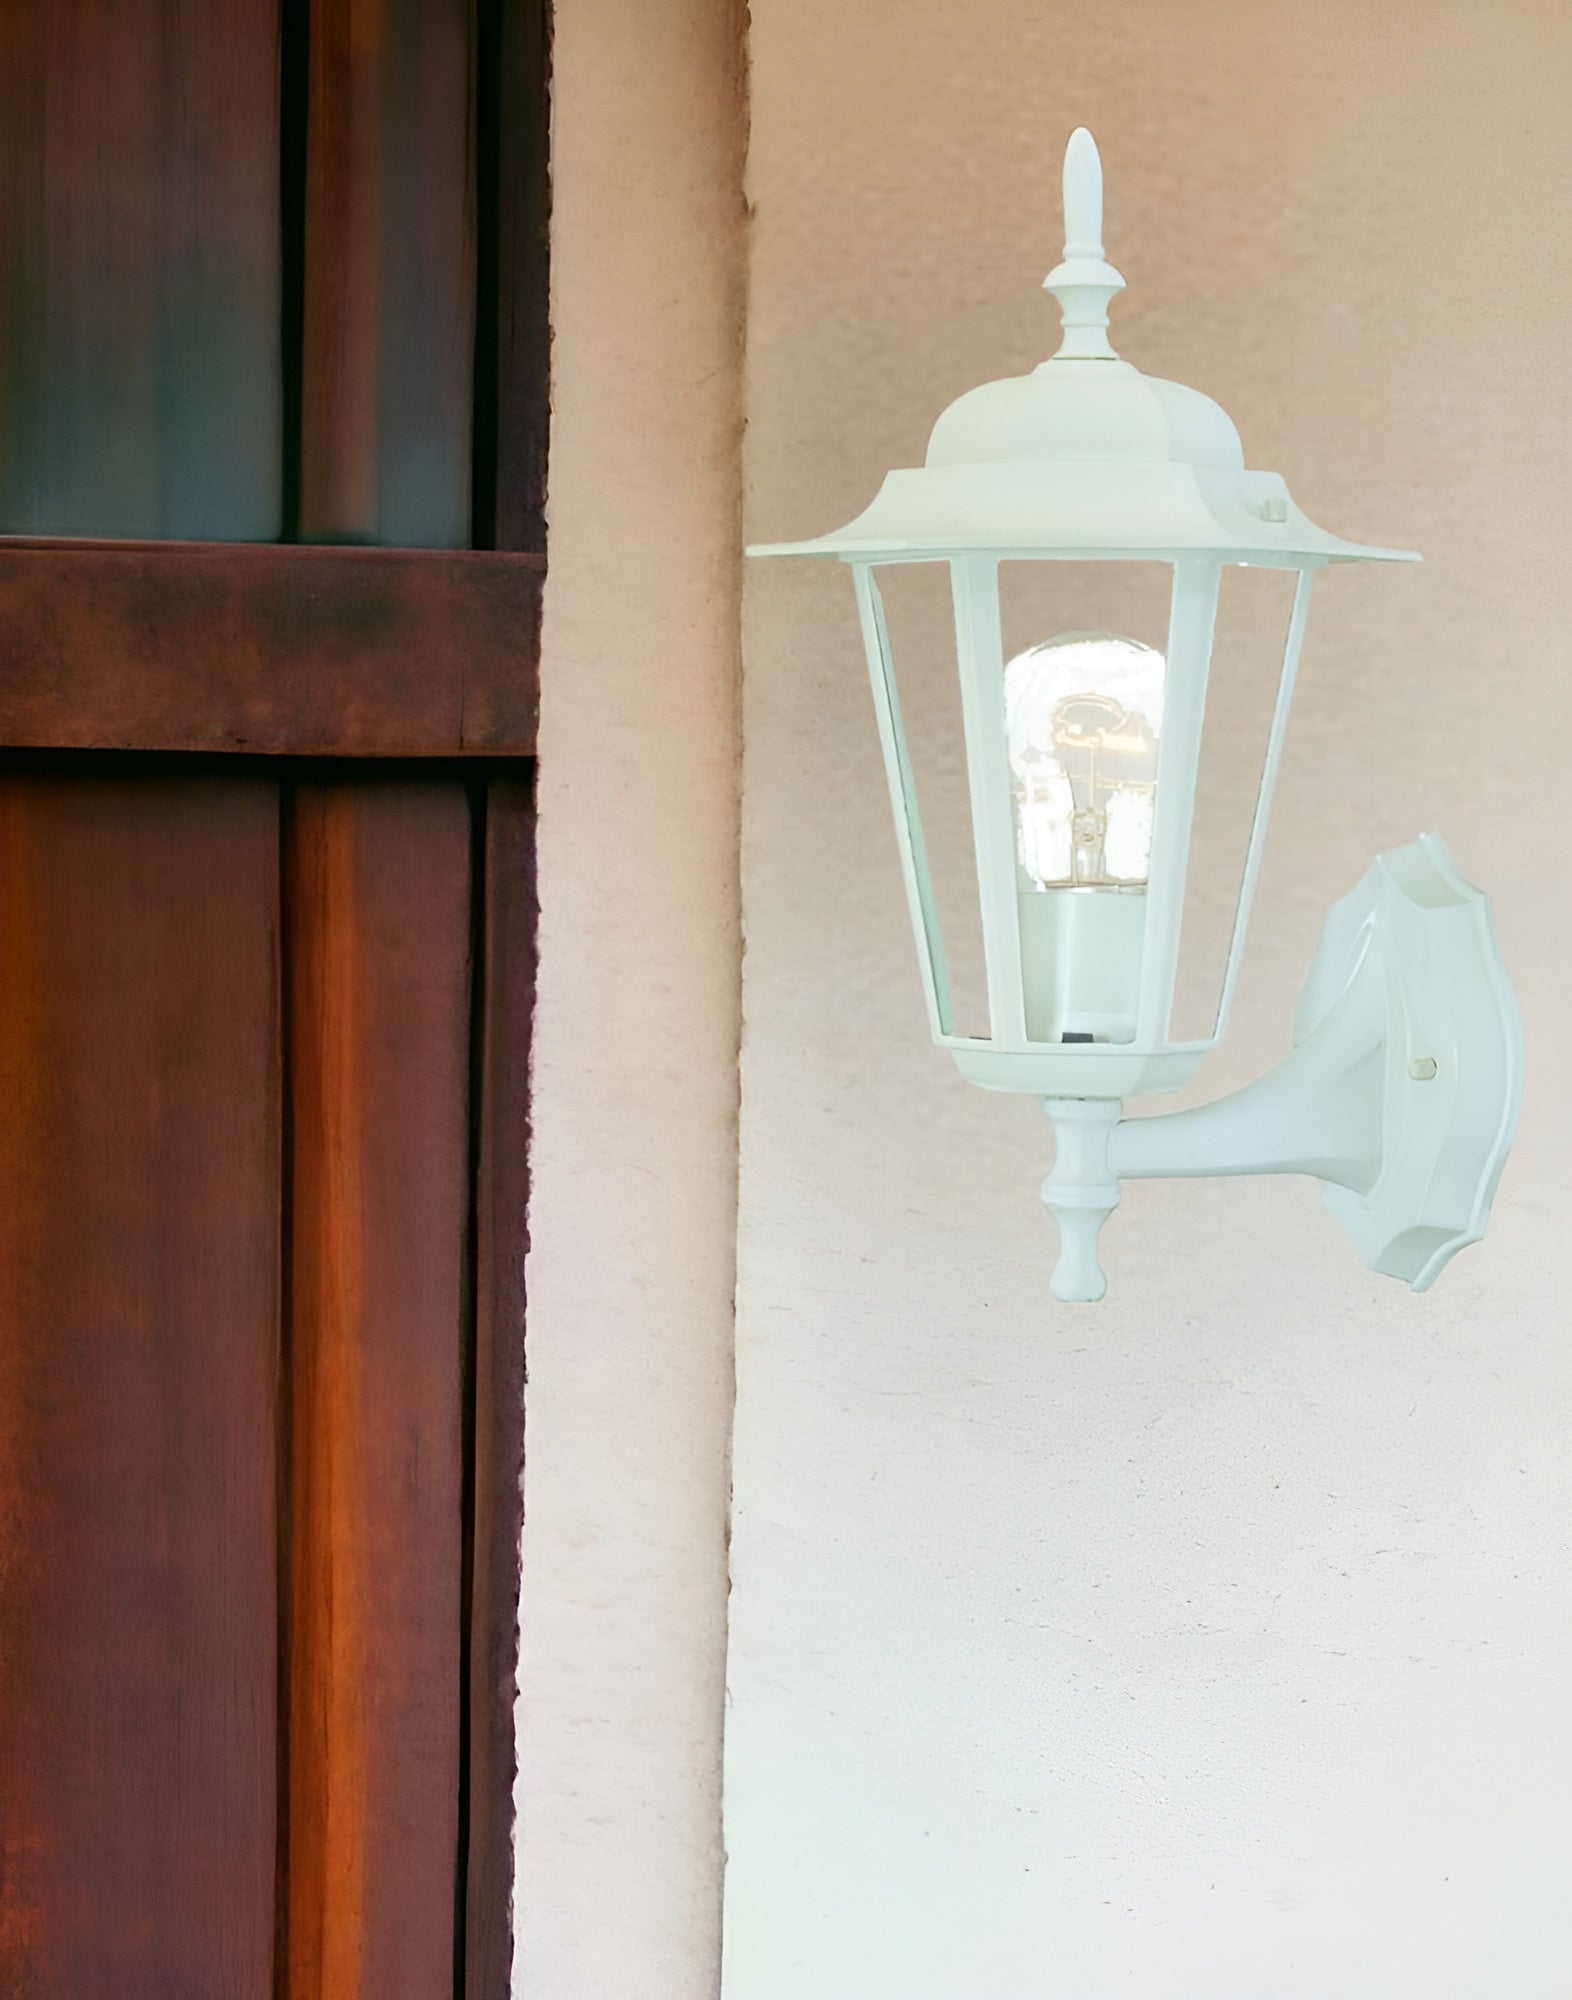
(139, 268)
(139, 1158)
(378, 938)
(501, 1197)
(389, 335)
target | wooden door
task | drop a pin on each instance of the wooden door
(272, 395)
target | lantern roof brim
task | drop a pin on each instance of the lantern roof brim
(1085, 510)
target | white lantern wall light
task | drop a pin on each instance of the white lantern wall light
(1082, 754)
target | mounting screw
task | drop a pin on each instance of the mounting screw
(1422, 1068)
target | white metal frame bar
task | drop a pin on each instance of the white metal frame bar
(1190, 627)
(915, 871)
(979, 649)
(1256, 849)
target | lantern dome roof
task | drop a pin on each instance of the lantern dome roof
(1085, 456)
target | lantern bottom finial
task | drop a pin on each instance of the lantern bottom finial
(1081, 1191)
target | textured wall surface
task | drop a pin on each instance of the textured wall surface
(1211, 1643)
(635, 1080)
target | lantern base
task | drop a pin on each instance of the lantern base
(1078, 1069)
(1401, 1094)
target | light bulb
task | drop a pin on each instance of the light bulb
(1083, 717)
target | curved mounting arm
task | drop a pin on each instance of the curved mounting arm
(1401, 1093)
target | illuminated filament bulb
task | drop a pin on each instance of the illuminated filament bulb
(1083, 716)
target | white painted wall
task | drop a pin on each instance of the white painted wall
(635, 1082)
(1210, 1644)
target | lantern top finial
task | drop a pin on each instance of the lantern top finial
(1085, 282)
(1085, 456)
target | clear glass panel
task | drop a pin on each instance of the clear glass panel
(1084, 682)
(920, 618)
(1253, 610)
(1085, 688)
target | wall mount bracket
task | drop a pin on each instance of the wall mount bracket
(1400, 1095)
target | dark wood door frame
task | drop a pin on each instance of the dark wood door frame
(275, 268)
(296, 651)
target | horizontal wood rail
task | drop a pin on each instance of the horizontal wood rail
(286, 650)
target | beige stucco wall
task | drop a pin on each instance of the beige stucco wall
(635, 1080)
(1210, 1644)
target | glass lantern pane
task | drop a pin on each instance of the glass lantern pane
(919, 617)
(1084, 685)
(1254, 607)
